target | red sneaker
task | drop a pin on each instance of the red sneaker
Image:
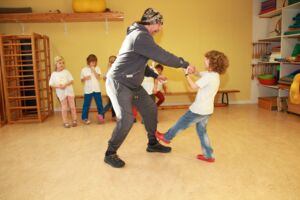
(202, 157)
(100, 118)
(161, 137)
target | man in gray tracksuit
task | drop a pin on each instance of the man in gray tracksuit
(123, 84)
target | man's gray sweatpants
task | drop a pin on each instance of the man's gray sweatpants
(122, 99)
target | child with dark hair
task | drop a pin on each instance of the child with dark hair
(199, 112)
(90, 76)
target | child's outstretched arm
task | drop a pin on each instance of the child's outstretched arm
(191, 83)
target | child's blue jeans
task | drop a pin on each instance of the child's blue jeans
(87, 104)
(186, 121)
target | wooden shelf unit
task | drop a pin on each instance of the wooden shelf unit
(271, 63)
(271, 39)
(287, 44)
(271, 14)
(60, 17)
(292, 36)
(25, 61)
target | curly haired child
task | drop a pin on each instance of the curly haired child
(202, 108)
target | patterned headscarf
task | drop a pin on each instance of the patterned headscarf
(152, 16)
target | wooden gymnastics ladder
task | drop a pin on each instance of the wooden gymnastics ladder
(25, 61)
(3, 119)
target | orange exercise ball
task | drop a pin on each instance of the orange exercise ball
(83, 6)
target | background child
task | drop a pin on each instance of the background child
(62, 80)
(199, 112)
(90, 76)
(148, 85)
(111, 60)
(151, 89)
(161, 86)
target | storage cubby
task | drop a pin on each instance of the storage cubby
(287, 44)
(25, 67)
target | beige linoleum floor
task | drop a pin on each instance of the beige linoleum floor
(257, 157)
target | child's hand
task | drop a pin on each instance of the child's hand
(94, 72)
(61, 86)
(87, 78)
(93, 69)
(191, 69)
(161, 78)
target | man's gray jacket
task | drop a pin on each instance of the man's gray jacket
(138, 47)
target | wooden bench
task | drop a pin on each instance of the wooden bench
(224, 97)
(80, 98)
(223, 93)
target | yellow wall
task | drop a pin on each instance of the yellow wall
(191, 28)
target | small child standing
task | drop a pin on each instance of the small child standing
(90, 76)
(199, 112)
(62, 80)
(111, 60)
(161, 86)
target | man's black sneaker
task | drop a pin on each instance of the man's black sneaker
(114, 161)
(158, 148)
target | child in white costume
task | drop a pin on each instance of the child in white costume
(161, 86)
(111, 60)
(62, 80)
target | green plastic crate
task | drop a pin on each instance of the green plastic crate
(296, 50)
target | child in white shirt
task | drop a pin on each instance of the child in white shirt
(62, 80)
(90, 76)
(199, 112)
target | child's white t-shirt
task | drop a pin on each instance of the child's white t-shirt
(148, 84)
(208, 87)
(92, 85)
(62, 77)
